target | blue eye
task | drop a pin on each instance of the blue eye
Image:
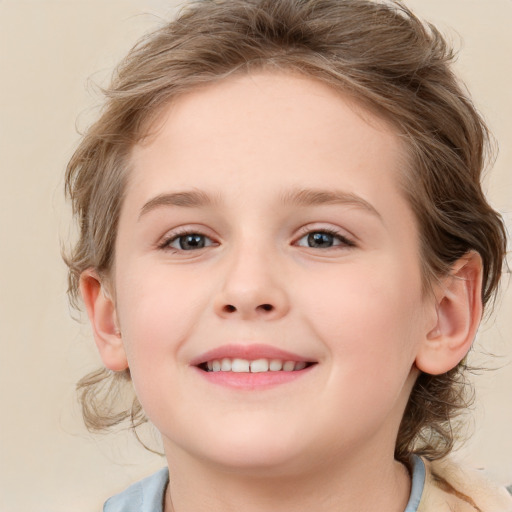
(189, 242)
(323, 240)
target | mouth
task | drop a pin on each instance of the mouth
(253, 366)
(261, 365)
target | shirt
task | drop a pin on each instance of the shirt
(148, 495)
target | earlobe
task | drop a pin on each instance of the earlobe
(458, 313)
(102, 315)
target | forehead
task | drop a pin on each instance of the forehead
(243, 144)
(287, 124)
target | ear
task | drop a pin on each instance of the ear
(102, 315)
(458, 303)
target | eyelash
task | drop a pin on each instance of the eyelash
(345, 242)
(181, 233)
(166, 243)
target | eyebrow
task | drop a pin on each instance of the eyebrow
(296, 197)
(189, 199)
(318, 197)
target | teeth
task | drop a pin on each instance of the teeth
(260, 365)
(240, 366)
(257, 366)
(288, 366)
(276, 365)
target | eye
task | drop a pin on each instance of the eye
(324, 239)
(188, 242)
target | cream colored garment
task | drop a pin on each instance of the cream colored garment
(449, 488)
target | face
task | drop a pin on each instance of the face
(263, 232)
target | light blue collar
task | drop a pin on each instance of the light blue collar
(417, 484)
(148, 494)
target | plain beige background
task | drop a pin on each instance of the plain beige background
(51, 52)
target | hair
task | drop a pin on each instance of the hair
(378, 53)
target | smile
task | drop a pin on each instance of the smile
(251, 366)
(262, 365)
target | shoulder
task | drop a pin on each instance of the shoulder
(449, 488)
(144, 496)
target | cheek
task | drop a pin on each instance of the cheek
(157, 314)
(157, 310)
(369, 316)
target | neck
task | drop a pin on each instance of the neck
(360, 482)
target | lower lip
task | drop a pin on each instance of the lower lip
(253, 381)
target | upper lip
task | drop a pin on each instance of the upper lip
(250, 352)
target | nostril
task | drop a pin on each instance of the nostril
(229, 308)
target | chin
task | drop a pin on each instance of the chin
(249, 453)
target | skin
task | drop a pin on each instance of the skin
(324, 441)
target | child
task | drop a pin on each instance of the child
(284, 246)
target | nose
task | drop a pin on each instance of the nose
(253, 287)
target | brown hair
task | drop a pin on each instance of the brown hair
(377, 52)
